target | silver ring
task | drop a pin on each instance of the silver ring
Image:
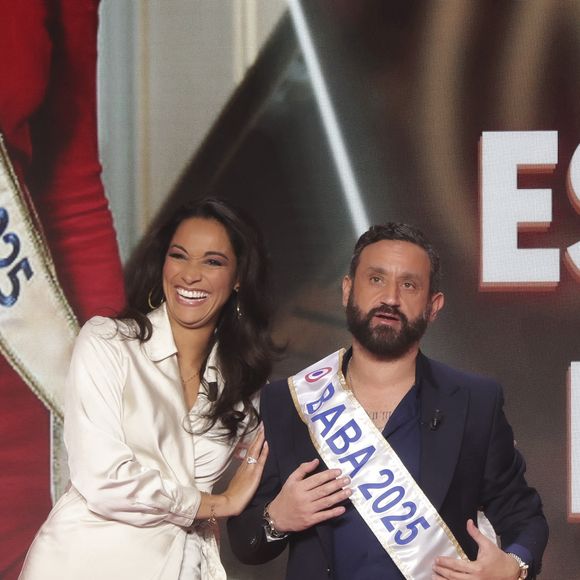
(251, 459)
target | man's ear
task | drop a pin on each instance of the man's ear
(346, 289)
(437, 303)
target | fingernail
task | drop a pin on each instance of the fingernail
(348, 491)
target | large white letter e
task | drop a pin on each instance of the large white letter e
(505, 209)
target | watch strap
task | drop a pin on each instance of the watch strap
(272, 533)
(524, 568)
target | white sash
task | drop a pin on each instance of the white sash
(37, 325)
(385, 494)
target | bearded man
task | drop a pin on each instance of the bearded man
(380, 457)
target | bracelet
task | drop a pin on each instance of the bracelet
(523, 566)
(212, 520)
(270, 527)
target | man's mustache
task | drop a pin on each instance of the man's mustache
(386, 309)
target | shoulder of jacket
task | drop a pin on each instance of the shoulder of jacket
(441, 372)
(102, 328)
(275, 391)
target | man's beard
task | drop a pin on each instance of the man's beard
(383, 340)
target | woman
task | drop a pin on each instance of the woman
(194, 337)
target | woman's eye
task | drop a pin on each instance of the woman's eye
(177, 255)
(214, 262)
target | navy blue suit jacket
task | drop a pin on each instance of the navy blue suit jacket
(468, 463)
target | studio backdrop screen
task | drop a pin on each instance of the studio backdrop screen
(462, 118)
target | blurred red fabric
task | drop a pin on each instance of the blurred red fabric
(48, 55)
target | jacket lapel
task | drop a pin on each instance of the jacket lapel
(303, 448)
(304, 451)
(443, 413)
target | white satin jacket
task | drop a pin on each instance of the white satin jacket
(136, 470)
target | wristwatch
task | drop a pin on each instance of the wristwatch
(271, 532)
(523, 566)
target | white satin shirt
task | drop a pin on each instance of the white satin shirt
(136, 469)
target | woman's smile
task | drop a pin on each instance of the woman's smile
(199, 274)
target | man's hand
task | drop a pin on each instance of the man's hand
(491, 563)
(305, 501)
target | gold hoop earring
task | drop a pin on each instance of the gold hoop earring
(150, 302)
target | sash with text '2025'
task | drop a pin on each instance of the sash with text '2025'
(385, 494)
(37, 325)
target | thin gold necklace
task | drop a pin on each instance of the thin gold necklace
(195, 374)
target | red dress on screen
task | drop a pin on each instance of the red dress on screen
(48, 53)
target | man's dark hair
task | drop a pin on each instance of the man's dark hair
(403, 233)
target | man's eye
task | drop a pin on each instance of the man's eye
(408, 285)
(375, 279)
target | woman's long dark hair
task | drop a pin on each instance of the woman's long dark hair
(245, 348)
